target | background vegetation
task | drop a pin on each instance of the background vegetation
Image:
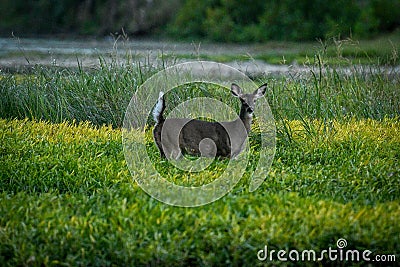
(88, 17)
(216, 20)
(243, 21)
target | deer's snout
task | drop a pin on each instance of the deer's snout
(249, 108)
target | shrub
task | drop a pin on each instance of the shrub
(241, 21)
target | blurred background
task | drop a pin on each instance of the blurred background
(236, 21)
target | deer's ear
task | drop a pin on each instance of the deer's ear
(260, 92)
(236, 90)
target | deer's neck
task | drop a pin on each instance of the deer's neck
(246, 118)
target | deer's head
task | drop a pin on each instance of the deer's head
(248, 100)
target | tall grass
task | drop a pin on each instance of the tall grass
(102, 95)
(327, 93)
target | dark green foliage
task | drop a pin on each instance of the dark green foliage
(87, 17)
(216, 20)
(258, 20)
(38, 16)
(307, 20)
(387, 12)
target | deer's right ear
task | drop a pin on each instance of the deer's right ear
(236, 90)
(260, 92)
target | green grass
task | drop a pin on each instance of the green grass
(100, 96)
(67, 197)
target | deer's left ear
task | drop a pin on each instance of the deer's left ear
(260, 92)
(236, 90)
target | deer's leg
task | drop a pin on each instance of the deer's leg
(157, 139)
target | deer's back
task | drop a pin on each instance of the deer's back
(194, 131)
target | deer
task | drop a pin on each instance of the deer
(177, 136)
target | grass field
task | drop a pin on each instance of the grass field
(68, 199)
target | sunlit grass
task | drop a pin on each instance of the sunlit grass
(68, 198)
